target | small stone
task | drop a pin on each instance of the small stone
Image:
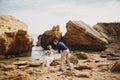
(71, 73)
(23, 67)
(47, 77)
(102, 64)
(35, 63)
(113, 58)
(55, 62)
(97, 61)
(9, 67)
(30, 71)
(103, 56)
(104, 68)
(81, 55)
(73, 59)
(83, 66)
(83, 74)
(1, 65)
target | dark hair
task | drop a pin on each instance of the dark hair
(56, 39)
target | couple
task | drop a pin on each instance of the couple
(63, 49)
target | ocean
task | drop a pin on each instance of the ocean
(34, 36)
(38, 52)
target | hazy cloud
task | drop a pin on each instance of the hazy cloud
(41, 15)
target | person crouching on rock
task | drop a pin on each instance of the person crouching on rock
(48, 56)
(63, 49)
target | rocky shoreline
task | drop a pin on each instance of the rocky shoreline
(81, 36)
(95, 51)
(85, 65)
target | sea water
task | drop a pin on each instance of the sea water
(38, 52)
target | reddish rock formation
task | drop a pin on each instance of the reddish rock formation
(110, 31)
(81, 36)
(13, 36)
(39, 40)
(49, 35)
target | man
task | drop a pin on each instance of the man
(63, 49)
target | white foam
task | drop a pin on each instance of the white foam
(38, 53)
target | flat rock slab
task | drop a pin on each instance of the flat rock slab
(103, 56)
(68, 73)
(113, 58)
(84, 74)
(85, 66)
(9, 67)
(102, 64)
(20, 63)
(81, 55)
(22, 67)
(35, 63)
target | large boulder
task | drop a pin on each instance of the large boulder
(38, 43)
(110, 31)
(49, 35)
(81, 36)
(13, 36)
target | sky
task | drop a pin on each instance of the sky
(42, 15)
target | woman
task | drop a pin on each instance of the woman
(48, 56)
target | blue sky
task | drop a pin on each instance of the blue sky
(41, 15)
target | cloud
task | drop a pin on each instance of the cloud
(41, 15)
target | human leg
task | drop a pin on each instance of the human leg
(62, 60)
(67, 59)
